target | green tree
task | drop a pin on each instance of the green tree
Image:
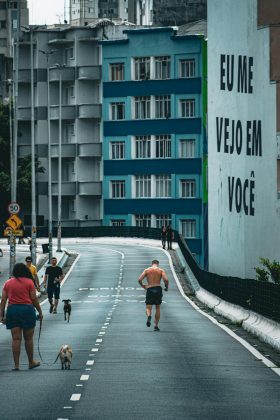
(24, 179)
(23, 169)
(271, 271)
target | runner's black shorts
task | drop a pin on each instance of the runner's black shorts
(154, 295)
(21, 315)
(53, 292)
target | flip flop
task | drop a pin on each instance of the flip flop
(34, 366)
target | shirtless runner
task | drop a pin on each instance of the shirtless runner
(154, 274)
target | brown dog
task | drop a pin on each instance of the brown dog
(65, 355)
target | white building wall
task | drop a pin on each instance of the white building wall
(241, 229)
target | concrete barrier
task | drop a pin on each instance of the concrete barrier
(265, 329)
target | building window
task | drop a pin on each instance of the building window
(142, 147)
(117, 71)
(163, 220)
(117, 150)
(69, 132)
(187, 148)
(3, 5)
(163, 186)
(69, 93)
(187, 108)
(70, 53)
(142, 107)
(2, 24)
(188, 188)
(117, 111)
(118, 222)
(163, 146)
(73, 167)
(188, 228)
(162, 67)
(12, 4)
(162, 106)
(187, 68)
(117, 189)
(143, 220)
(143, 186)
(142, 68)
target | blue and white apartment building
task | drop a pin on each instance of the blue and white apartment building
(154, 133)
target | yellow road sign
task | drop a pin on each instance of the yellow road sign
(14, 221)
(8, 231)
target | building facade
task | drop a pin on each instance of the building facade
(243, 134)
(8, 31)
(83, 12)
(75, 60)
(154, 137)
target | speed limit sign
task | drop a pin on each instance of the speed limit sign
(13, 208)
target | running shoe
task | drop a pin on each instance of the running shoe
(51, 308)
(156, 328)
(148, 323)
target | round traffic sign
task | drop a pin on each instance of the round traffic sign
(13, 208)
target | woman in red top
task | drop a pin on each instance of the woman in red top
(20, 318)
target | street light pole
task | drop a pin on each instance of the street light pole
(47, 54)
(31, 30)
(33, 186)
(59, 204)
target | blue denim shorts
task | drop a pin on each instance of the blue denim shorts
(22, 316)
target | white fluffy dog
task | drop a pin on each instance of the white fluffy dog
(65, 355)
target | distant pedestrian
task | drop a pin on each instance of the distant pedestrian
(53, 278)
(20, 317)
(163, 236)
(169, 236)
(33, 271)
(153, 274)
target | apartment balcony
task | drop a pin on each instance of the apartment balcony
(24, 76)
(89, 73)
(67, 74)
(90, 150)
(89, 111)
(68, 112)
(24, 113)
(90, 188)
(67, 188)
(67, 150)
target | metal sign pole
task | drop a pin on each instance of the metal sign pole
(12, 252)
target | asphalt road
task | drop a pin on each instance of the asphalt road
(122, 370)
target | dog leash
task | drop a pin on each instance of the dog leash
(39, 336)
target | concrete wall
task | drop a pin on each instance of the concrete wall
(244, 212)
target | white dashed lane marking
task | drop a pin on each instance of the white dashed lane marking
(75, 397)
(90, 363)
(84, 378)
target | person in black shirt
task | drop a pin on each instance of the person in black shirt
(163, 236)
(169, 236)
(53, 278)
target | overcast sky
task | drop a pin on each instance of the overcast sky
(46, 11)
